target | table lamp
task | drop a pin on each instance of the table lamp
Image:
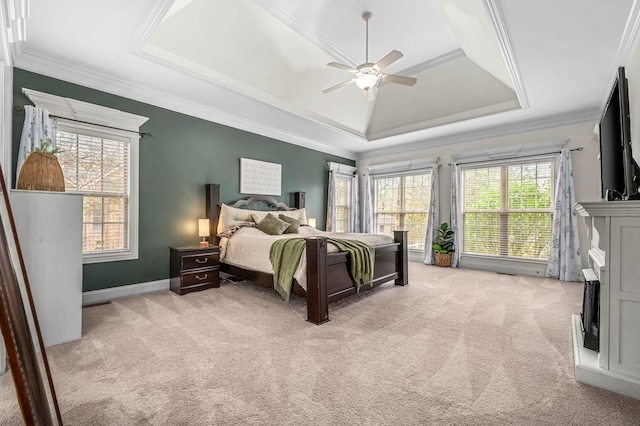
(203, 231)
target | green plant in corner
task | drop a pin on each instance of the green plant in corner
(444, 240)
(45, 147)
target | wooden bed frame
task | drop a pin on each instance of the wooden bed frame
(328, 276)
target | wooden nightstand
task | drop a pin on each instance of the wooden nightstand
(194, 268)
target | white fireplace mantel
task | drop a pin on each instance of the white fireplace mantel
(614, 231)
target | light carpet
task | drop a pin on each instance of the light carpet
(455, 346)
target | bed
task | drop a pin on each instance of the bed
(324, 274)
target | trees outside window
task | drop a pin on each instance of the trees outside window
(508, 209)
(343, 203)
(98, 165)
(402, 203)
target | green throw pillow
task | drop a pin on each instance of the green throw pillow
(272, 225)
(294, 224)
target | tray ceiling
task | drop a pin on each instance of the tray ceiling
(484, 67)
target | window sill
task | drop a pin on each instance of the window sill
(109, 257)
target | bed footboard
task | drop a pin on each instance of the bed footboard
(328, 277)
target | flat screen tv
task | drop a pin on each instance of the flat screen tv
(619, 171)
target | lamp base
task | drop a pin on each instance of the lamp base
(204, 243)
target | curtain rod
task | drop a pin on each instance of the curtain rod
(517, 158)
(141, 134)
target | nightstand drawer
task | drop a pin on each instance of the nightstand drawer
(204, 276)
(202, 260)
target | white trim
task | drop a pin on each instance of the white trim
(107, 294)
(57, 69)
(432, 63)
(273, 8)
(6, 121)
(403, 166)
(511, 152)
(84, 111)
(557, 120)
(504, 44)
(5, 45)
(342, 168)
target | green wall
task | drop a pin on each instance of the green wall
(182, 155)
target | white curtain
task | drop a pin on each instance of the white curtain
(354, 220)
(456, 213)
(433, 221)
(564, 259)
(331, 203)
(367, 216)
(37, 127)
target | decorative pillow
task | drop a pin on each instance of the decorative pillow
(294, 224)
(300, 214)
(235, 228)
(272, 225)
(259, 216)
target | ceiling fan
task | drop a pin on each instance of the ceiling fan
(367, 75)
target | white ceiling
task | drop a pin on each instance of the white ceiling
(484, 67)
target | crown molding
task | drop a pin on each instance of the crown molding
(430, 64)
(274, 8)
(557, 120)
(5, 45)
(76, 75)
(504, 44)
(154, 18)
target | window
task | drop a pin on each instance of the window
(507, 209)
(99, 165)
(343, 203)
(402, 202)
(100, 162)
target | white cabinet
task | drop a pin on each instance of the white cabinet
(49, 227)
(614, 229)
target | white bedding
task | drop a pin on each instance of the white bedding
(249, 248)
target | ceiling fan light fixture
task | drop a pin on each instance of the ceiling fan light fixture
(368, 74)
(366, 80)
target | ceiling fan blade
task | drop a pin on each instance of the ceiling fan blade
(337, 86)
(391, 57)
(342, 67)
(399, 79)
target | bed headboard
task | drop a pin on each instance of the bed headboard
(256, 202)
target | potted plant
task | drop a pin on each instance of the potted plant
(41, 170)
(443, 245)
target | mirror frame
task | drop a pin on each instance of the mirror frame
(14, 325)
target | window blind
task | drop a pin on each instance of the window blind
(402, 202)
(98, 168)
(507, 209)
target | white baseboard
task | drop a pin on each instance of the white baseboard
(104, 295)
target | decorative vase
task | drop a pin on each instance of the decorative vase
(443, 259)
(41, 172)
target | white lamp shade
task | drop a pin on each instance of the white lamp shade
(203, 227)
(366, 81)
(312, 221)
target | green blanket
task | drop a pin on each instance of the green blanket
(285, 256)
